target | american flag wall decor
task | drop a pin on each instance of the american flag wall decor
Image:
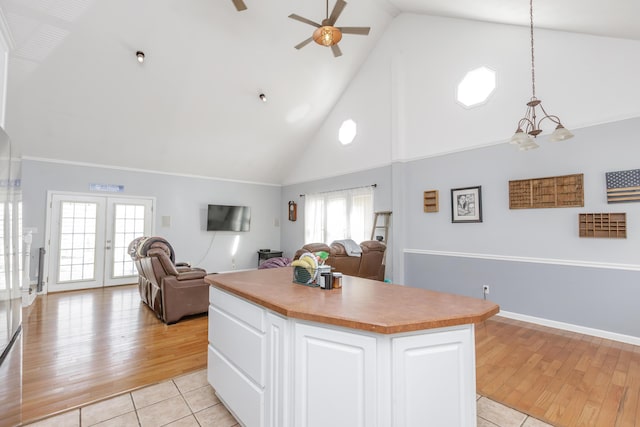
(623, 186)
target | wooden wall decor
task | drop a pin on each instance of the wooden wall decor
(623, 186)
(552, 192)
(610, 225)
(431, 201)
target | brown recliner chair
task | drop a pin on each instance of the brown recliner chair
(313, 248)
(171, 290)
(371, 261)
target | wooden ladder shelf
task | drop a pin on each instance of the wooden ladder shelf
(386, 215)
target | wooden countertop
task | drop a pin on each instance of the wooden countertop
(360, 304)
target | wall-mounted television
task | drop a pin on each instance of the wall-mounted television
(228, 218)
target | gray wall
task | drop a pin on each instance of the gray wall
(598, 298)
(544, 233)
(583, 281)
(184, 199)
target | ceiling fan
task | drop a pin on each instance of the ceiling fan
(239, 4)
(326, 34)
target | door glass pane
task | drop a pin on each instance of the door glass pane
(129, 224)
(77, 228)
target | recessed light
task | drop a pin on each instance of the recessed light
(263, 97)
(140, 56)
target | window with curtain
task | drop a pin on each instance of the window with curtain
(335, 215)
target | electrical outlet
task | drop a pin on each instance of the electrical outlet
(485, 289)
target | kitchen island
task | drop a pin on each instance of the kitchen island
(368, 354)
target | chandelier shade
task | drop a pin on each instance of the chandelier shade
(560, 134)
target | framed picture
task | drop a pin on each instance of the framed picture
(466, 204)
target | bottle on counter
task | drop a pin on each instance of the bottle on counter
(337, 280)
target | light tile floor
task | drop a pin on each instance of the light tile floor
(189, 401)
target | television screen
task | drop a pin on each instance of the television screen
(228, 218)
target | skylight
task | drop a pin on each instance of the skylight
(476, 87)
(347, 132)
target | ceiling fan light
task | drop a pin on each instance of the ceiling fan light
(327, 35)
(560, 134)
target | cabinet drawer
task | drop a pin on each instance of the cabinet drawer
(237, 307)
(243, 397)
(238, 342)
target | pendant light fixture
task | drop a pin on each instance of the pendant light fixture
(529, 125)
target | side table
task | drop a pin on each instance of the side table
(265, 254)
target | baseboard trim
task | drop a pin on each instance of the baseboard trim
(572, 263)
(629, 339)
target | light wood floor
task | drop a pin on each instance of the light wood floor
(560, 377)
(84, 346)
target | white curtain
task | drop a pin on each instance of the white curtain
(335, 215)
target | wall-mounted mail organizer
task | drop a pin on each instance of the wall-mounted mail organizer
(431, 201)
(552, 192)
(607, 225)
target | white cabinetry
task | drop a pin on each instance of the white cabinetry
(275, 371)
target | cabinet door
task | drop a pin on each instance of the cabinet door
(434, 379)
(335, 378)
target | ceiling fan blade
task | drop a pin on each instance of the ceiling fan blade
(361, 31)
(336, 50)
(239, 4)
(305, 20)
(303, 43)
(337, 10)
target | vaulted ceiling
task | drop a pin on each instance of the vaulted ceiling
(76, 92)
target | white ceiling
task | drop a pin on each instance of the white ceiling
(77, 93)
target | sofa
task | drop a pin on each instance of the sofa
(172, 291)
(368, 265)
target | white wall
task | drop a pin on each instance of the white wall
(6, 45)
(403, 96)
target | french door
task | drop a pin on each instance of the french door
(89, 237)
